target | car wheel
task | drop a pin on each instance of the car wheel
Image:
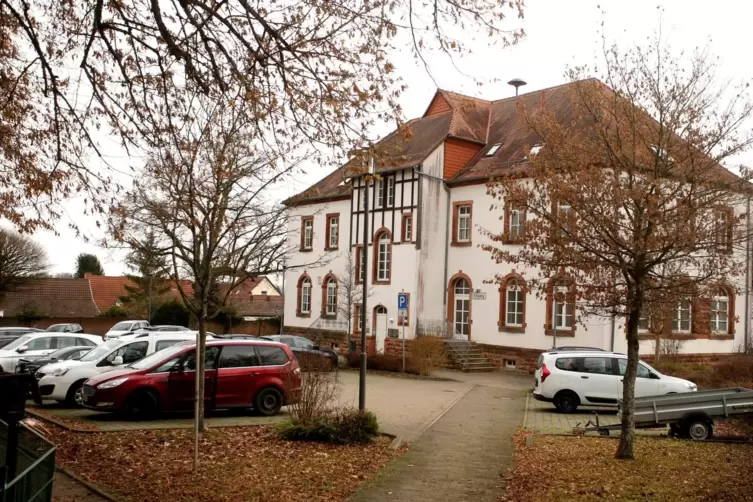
(142, 405)
(75, 396)
(566, 401)
(699, 430)
(268, 402)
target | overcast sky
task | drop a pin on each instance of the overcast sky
(558, 34)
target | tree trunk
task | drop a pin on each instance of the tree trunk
(200, 355)
(627, 432)
(657, 347)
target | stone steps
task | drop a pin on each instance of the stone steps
(466, 356)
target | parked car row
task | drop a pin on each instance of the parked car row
(35, 345)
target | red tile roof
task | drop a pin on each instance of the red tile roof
(53, 297)
(452, 115)
(107, 290)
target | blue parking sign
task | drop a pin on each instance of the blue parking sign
(402, 300)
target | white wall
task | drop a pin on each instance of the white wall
(265, 286)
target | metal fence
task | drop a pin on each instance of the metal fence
(35, 467)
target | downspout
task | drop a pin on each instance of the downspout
(747, 278)
(613, 323)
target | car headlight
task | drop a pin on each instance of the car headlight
(691, 386)
(59, 372)
(112, 383)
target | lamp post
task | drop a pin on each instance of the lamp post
(364, 294)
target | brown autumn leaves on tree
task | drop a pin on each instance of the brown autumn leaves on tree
(627, 200)
(316, 75)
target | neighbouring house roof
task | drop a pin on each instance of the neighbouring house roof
(257, 305)
(475, 120)
(51, 296)
(107, 290)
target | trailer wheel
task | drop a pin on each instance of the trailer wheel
(699, 429)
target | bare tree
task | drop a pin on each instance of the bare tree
(205, 200)
(349, 291)
(315, 74)
(20, 259)
(627, 203)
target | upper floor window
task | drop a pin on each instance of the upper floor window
(561, 304)
(462, 222)
(391, 191)
(383, 261)
(516, 220)
(681, 319)
(379, 202)
(360, 266)
(333, 231)
(722, 229)
(307, 233)
(644, 321)
(565, 219)
(407, 228)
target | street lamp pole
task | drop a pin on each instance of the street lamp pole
(364, 294)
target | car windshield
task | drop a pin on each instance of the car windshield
(156, 358)
(122, 326)
(5, 340)
(102, 350)
(21, 340)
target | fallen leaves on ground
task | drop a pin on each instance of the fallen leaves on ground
(236, 463)
(584, 469)
(67, 421)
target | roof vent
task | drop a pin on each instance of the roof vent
(517, 82)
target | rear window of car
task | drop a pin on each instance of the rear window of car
(272, 356)
(600, 365)
(567, 364)
(238, 356)
(163, 344)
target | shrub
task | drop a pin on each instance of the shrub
(114, 311)
(383, 362)
(733, 371)
(319, 388)
(347, 426)
(172, 312)
(429, 354)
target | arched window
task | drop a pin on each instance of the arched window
(329, 296)
(512, 303)
(722, 311)
(383, 259)
(561, 306)
(304, 296)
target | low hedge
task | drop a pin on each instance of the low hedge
(348, 426)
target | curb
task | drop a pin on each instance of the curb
(58, 422)
(89, 486)
(407, 376)
(434, 420)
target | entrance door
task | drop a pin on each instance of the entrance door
(462, 308)
(381, 328)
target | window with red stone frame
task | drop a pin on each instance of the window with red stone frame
(512, 304)
(332, 232)
(560, 307)
(515, 220)
(304, 296)
(462, 223)
(329, 296)
(406, 229)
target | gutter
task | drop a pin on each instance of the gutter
(747, 346)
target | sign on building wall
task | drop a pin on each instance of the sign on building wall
(478, 295)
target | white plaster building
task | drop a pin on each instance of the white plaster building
(424, 225)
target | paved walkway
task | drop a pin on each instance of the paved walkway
(462, 457)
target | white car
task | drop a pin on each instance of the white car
(124, 327)
(35, 345)
(570, 379)
(64, 380)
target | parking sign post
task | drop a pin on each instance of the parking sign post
(402, 310)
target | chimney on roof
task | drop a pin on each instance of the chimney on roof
(517, 82)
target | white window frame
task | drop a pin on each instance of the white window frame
(677, 317)
(334, 224)
(462, 297)
(719, 316)
(408, 231)
(514, 297)
(721, 226)
(331, 296)
(383, 258)
(564, 219)
(464, 223)
(308, 234)
(362, 265)
(562, 310)
(644, 316)
(306, 296)
(391, 191)
(517, 230)
(380, 194)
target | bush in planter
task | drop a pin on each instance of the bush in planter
(346, 426)
(429, 354)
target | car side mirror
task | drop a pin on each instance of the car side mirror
(22, 349)
(117, 361)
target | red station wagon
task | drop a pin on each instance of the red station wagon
(239, 374)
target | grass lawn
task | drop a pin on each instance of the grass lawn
(584, 469)
(238, 464)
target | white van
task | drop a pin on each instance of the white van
(64, 380)
(35, 345)
(573, 378)
(124, 327)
